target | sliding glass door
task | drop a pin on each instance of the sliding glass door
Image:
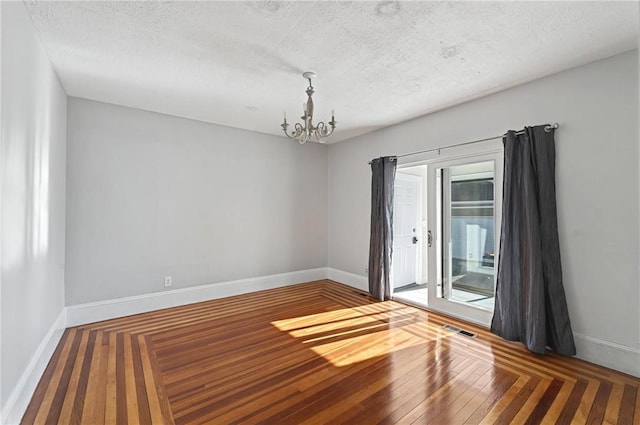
(464, 219)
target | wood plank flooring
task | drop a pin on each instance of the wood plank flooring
(317, 353)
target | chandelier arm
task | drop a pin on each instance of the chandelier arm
(299, 131)
(286, 132)
(323, 130)
(294, 134)
(303, 137)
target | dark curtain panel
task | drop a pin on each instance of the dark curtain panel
(530, 301)
(383, 174)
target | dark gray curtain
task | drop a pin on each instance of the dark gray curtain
(530, 301)
(383, 174)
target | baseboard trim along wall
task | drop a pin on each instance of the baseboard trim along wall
(608, 354)
(81, 314)
(21, 395)
(351, 279)
(604, 353)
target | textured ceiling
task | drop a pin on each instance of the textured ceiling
(239, 63)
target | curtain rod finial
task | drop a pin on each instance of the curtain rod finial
(550, 127)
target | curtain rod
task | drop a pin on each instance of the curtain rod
(547, 128)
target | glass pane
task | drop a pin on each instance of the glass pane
(468, 220)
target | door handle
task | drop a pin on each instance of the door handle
(415, 240)
(429, 238)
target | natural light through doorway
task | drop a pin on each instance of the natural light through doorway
(360, 329)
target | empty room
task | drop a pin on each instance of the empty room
(319, 212)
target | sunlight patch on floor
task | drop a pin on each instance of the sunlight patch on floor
(352, 335)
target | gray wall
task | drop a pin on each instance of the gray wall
(32, 175)
(152, 195)
(597, 183)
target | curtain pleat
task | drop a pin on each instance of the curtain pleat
(530, 300)
(383, 173)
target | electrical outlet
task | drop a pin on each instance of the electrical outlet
(168, 281)
(366, 271)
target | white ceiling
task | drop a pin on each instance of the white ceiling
(239, 63)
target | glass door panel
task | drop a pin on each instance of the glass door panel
(468, 219)
(463, 216)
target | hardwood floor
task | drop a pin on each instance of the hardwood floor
(315, 353)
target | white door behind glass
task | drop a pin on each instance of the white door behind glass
(405, 260)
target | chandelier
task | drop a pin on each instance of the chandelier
(308, 131)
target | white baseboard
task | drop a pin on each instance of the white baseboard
(19, 399)
(608, 354)
(351, 279)
(81, 314)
